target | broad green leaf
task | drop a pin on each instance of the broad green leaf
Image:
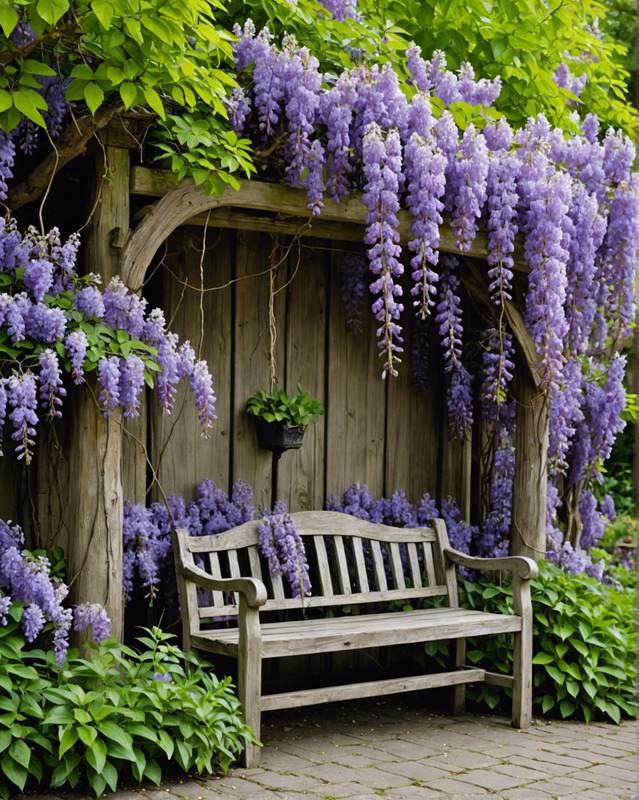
(24, 102)
(128, 93)
(8, 19)
(52, 10)
(94, 96)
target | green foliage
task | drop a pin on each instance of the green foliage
(296, 409)
(584, 644)
(620, 24)
(167, 56)
(122, 714)
(617, 473)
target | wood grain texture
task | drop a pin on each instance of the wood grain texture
(180, 455)
(301, 472)
(251, 370)
(356, 401)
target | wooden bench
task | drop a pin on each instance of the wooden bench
(353, 563)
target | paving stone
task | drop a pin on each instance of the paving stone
(405, 749)
(246, 790)
(542, 768)
(457, 760)
(490, 779)
(338, 790)
(278, 760)
(421, 771)
(565, 786)
(414, 793)
(285, 781)
(524, 793)
(456, 788)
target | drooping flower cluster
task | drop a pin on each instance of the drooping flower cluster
(282, 546)
(46, 312)
(26, 579)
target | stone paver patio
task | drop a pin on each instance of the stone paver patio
(394, 749)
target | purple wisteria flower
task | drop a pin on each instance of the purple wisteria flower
(204, 395)
(51, 391)
(467, 186)
(76, 346)
(93, 617)
(383, 180)
(109, 383)
(282, 546)
(130, 385)
(90, 303)
(22, 400)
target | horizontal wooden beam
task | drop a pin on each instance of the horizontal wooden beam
(332, 694)
(273, 207)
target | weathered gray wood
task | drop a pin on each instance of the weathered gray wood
(356, 412)
(342, 566)
(459, 692)
(368, 630)
(180, 203)
(326, 581)
(251, 357)
(301, 472)
(397, 568)
(313, 523)
(334, 600)
(444, 566)
(255, 563)
(249, 680)
(216, 572)
(360, 564)
(350, 691)
(413, 561)
(522, 662)
(430, 565)
(187, 591)
(180, 455)
(522, 566)
(528, 530)
(379, 568)
(497, 679)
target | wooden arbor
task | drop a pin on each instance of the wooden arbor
(118, 247)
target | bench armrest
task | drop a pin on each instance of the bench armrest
(522, 567)
(253, 590)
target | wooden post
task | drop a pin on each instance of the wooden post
(522, 657)
(528, 534)
(249, 683)
(95, 508)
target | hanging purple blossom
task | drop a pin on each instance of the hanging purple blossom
(51, 391)
(282, 546)
(468, 187)
(168, 377)
(90, 303)
(22, 399)
(122, 309)
(93, 617)
(7, 157)
(498, 361)
(341, 9)
(38, 277)
(131, 383)
(425, 167)
(502, 223)
(238, 106)
(383, 180)
(3, 409)
(109, 383)
(76, 345)
(202, 388)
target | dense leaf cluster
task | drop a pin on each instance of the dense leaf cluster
(123, 715)
(279, 406)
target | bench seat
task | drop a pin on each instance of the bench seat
(303, 637)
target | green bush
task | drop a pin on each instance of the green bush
(291, 409)
(584, 644)
(120, 715)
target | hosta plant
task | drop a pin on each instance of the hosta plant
(290, 409)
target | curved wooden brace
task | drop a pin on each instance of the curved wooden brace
(179, 203)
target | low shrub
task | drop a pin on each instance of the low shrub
(120, 715)
(584, 644)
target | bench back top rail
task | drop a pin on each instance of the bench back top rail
(351, 562)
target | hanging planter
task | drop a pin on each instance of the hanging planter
(281, 418)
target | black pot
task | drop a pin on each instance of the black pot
(278, 436)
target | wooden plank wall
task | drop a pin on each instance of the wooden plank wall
(386, 435)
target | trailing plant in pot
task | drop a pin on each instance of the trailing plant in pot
(281, 418)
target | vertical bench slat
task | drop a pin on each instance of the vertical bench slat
(360, 563)
(255, 563)
(278, 587)
(342, 566)
(378, 564)
(396, 566)
(326, 581)
(234, 570)
(216, 572)
(430, 566)
(413, 560)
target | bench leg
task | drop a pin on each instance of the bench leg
(522, 667)
(250, 679)
(459, 692)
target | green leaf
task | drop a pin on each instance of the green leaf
(52, 10)
(24, 102)
(154, 101)
(543, 658)
(555, 674)
(566, 708)
(8, 20)
(67, 739)
(96, 755)
(15, 772)
(128, 93)
(103, 11)
(94, 96)
(21, 753)
(547, 703)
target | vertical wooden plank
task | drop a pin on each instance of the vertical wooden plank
(413, 428)
(356, 400)
(360, 563)
(251, 369)
(323, 567)
(342, 565)
(254, 561)
(456, 471)
(430, 564)
(413, 560)
(397, 568)
(180, 454)
(216, 572)
(278, 587)
(301, 472)
(378, 566)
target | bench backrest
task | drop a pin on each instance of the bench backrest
(351, 562)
